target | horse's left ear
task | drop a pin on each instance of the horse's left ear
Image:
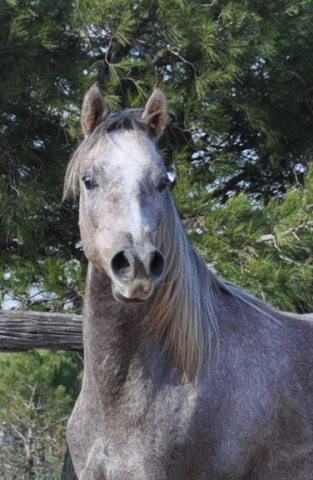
(155, 113)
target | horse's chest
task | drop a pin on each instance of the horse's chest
(108, 460)
(142, 440)
(147, 456)
(141, 437)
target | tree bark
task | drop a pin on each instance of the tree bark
(68, 472)
(20, 331)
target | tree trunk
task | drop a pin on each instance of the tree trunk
(68, 472)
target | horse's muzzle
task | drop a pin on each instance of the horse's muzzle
(135, 274)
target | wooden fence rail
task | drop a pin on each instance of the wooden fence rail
(20, 331)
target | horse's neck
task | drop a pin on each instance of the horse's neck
(112, 333)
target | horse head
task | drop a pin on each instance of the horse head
(123, 182)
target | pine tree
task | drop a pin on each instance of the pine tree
(266, 248)
(40, 91)
(237, 74)
(238, 78)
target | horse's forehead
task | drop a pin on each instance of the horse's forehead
(129, 155)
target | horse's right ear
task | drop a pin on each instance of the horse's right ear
(94, 110)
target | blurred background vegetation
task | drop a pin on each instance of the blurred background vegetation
(239, 79)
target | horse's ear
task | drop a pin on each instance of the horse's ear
(94, 110)
(155, 113)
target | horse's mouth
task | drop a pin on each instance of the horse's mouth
(130, 300)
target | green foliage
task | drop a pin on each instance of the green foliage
(40, 95)
(265, 248)
(238, 76)
(36, 397)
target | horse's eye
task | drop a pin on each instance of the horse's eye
(89, 183)
(165, 182)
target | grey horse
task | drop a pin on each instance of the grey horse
(186, 377)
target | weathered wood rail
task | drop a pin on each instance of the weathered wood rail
(21, 331)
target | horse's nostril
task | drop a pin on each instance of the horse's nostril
(119, 263)
(156, 265)
(128, 266)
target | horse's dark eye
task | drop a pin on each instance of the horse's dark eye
(89, 183)
(163, 184)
